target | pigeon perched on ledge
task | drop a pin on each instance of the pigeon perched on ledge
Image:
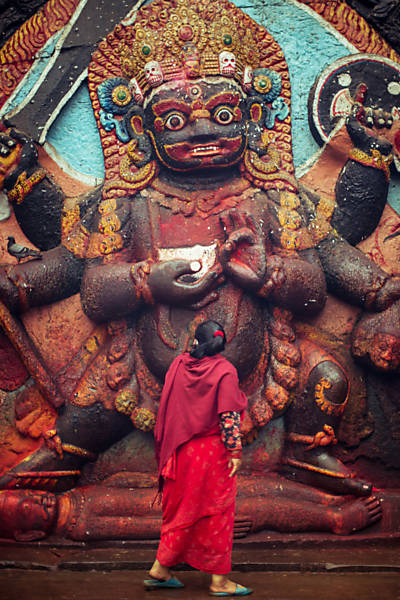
(20, 252)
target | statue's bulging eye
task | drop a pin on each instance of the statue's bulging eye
(175, 121)
(223, 115)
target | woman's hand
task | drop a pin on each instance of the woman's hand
(234, 466)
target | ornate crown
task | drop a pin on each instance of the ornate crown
(182, 39)
(186, 40)
(169, 40)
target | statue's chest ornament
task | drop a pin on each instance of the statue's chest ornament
(205, 255)
(202, 203)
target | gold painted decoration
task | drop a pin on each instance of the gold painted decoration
(107, 206)
(76, 240)
(290, 240)
(188, 25)
(19, 52)
(109, 223)
(101, 245)
(375, 159)
(126, 402)
(328, 407)
(130, 183)
(143, 419)
(265, 173)
(25, 185)
(319, 228)
(69, 219)
(290, 219)
(353, 27)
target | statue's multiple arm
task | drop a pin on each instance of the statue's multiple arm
(361, 194)
(354, 277)
(37, 201)
(37, 282)
(362, 187)
(296, 283)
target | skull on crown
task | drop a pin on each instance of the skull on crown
(227, 63)
(153, 73)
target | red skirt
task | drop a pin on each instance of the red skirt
(199, 507)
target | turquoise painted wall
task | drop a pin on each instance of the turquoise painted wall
(309, 44)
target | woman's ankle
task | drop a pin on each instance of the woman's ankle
(219, 581)
(159, 571)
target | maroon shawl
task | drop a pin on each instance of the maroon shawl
(195, 392)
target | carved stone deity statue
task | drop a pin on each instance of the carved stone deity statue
(200, 217)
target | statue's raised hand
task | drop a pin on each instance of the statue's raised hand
(174, 282)
(373, 128)
(17, 154)
(242, 255)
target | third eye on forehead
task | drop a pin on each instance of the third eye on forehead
(196, 90)
(226, 100)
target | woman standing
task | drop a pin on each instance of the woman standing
(198, 449)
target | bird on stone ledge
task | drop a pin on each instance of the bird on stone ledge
(20, 252)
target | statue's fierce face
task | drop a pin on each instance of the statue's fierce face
(197, 124)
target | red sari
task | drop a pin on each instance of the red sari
(198, 496)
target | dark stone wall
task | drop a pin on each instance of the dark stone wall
(14, 14)
(383, 15)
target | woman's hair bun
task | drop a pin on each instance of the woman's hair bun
(211, 339)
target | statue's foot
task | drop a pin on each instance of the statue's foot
(322, 470)
(355, 515)
(43, 470)
(242, 527)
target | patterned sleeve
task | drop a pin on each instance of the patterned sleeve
(229, 422)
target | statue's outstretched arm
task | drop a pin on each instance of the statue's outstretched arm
(354, 277)
(36, 282)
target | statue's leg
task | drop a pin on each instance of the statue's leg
(272, 502)
(311, 424)
(79, 434)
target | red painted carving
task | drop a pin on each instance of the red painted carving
(200, 218)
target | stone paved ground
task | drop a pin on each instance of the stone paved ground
(127, 585)
(277, 569)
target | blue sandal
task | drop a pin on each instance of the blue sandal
(155, 584)
(241, 590)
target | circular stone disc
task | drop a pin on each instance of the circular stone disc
(331, 97)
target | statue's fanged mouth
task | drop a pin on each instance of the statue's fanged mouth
(185, 150)
(205, 151)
